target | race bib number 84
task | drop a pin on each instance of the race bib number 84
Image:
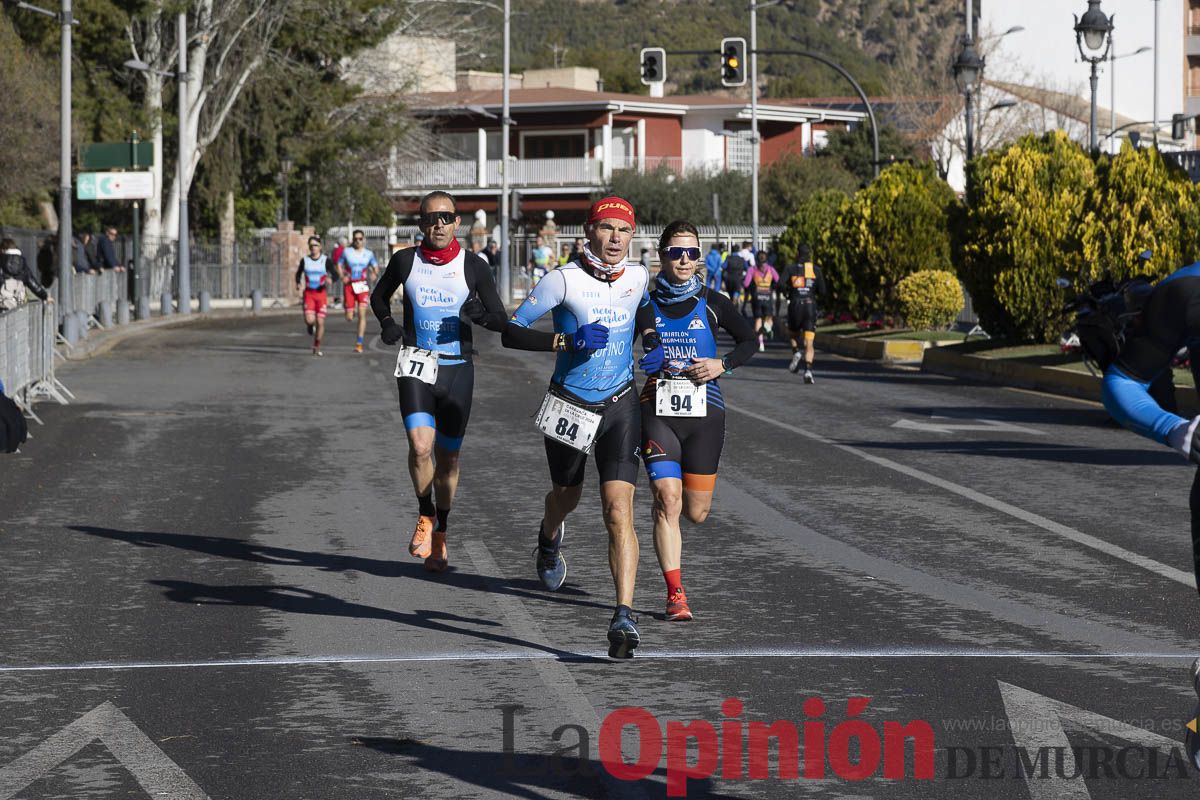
(566, 422)
(413, 362)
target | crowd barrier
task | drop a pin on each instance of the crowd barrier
(27, 335)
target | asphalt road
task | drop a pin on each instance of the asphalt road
(207, 593)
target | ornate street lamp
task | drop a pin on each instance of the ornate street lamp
(968, 72)
(1093, 35)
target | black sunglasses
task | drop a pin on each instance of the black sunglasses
(431, 218)
(677, 253)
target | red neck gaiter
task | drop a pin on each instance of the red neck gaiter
(443, 256)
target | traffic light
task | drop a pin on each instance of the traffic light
(733, 61)
(654, 65)
(1179, 126)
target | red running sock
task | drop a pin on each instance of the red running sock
(673, 581)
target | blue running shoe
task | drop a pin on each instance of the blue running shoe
(551, 566)
(623, 636)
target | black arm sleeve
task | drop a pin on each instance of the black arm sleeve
(330, 268)
(737, 326)
(517, 337)
(30, 279)
(299, 270)
(1171, 315)
(644, 319)
(485, 289)
(394, 276)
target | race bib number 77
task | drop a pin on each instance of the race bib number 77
(413, 362)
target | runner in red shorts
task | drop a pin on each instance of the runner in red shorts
(358, 267)
(314, 274)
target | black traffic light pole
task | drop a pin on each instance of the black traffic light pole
(806, 54)
(862, 95)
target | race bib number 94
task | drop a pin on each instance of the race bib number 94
(413, 362)
(566, 422)
(680, 398)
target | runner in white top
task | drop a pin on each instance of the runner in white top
(358, 268)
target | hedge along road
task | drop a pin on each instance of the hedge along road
(208, 592)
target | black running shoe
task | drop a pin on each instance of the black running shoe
(623, 636)
(310, 328)
(551, 566)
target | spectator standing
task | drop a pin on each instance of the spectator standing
(15, 277)
(714, 263)
(106, 251)
(47, 260)
(83, 264)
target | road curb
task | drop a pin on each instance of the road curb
(100, 342)
(1005, 372)
(890, 350)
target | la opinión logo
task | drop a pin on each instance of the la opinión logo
(734, 748)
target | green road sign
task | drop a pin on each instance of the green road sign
(114, 185)
(116, 155)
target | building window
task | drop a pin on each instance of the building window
(555, 145)
(1194, 17)
(739, 155)
(1193, 88)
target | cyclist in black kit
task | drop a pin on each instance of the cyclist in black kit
(434, 372)
(1169, 321)
(683, 419)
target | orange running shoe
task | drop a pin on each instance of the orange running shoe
(358, 347)
(437, 560)
(677, 607)
(420, 547)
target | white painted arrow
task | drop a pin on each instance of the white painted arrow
(157, 774)
(951, 425)
(1036, 722)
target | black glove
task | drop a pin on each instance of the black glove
(391, 332)
(473, 310)
(13, 429)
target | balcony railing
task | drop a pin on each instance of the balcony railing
(531, 171)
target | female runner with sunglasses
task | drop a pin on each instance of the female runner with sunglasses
(683, 413)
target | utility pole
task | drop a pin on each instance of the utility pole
(505, 244)
(66, 236)
(185, 265)
(754, 123)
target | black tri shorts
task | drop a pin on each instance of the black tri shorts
(763, 307)
(615, 449)
(802, 315)
(687, 448)
(444, 405)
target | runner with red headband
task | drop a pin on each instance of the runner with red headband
(591, 406)
(434, 373)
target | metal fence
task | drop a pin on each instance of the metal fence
(27, 355)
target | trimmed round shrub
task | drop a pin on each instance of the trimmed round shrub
(929, 299)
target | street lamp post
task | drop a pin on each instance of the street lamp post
(968, 72)
(505, 245)
(185, 255)
(1112, 89)
(66, 250)
(307, 199)
(1093, 35)
(754, 145)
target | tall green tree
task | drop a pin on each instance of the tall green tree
(1026, 205)
(898, 225)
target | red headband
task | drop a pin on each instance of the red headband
(611, 208)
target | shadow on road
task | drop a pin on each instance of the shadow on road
(294, 600)
(1062, 454)
(225, 547)
(529, 775)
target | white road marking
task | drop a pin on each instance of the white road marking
(938, 424)
(1049, 525)
(642, 654)
(154, 772)
(1037, 722)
